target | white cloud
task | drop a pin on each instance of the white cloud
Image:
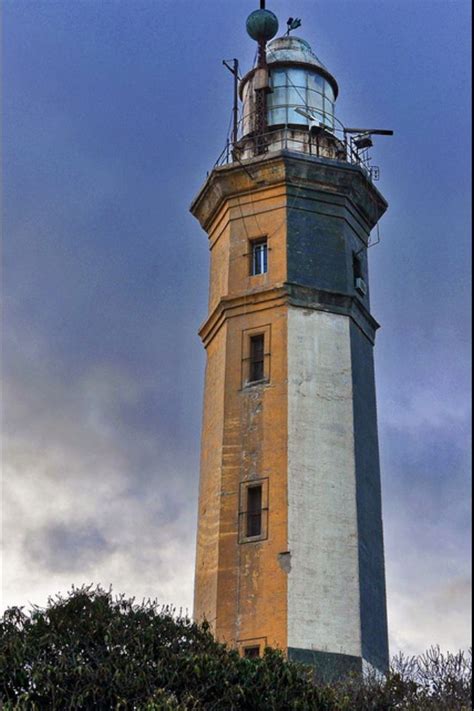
(426, 474)
(439, 615)
(69, 470)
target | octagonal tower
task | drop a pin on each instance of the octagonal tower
(290, 544)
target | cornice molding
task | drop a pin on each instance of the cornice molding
(230, 306)
(292, 168)
(288, 294)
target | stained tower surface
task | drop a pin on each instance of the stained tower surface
(290, 542)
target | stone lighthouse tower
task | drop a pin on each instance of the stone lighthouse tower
(290, 543)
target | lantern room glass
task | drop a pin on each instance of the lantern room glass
(296, 87)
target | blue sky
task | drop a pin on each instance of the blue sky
(113, 114)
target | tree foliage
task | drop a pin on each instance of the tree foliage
(89, 650)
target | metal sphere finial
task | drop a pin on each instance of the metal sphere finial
(262, 25)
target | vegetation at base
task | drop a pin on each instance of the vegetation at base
(90, 650)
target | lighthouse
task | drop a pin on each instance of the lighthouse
(290, 539)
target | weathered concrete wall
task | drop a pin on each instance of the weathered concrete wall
(323, 586)
(207, 546)
(323, 234)
(250, 583)
(328, 666)
(316, 243)
(369, 506)
(252, 593)
(261, 213)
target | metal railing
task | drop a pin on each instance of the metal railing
(325, 145)
(319, 137)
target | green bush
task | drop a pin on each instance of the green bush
(90, 650)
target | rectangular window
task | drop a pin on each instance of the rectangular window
(257, 358)
(252, 648)
(356, 266)
(278, 77)
(254, 511)
(259, 255)
(359, 283)
(251, 652)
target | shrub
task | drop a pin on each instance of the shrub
(89, 650)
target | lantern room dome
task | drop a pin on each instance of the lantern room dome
(291, 48)
(300, 91)
(294, 50)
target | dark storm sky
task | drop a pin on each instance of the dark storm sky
(113, 113)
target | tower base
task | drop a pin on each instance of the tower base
(328, 666)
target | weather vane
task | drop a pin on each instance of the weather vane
(292, 24)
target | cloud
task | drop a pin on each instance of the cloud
(426, 483)
(445, 608)
(91, 495)
(65, 547)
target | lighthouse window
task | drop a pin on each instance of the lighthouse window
(328, 111)
(252, 648)
(357, 266)
(254, 511)
(299, 88)
(259, 257)
(279, 77)
(257, 358)
(251, 652)
(316, 83)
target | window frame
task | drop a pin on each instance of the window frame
(357, 270)
(256, 358)
(243, 536)
(254, 511)
(254, 245)
(246, 359)
(251, 648)
(293, 85)
(252, 643)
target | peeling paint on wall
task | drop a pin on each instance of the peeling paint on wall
(284, 559)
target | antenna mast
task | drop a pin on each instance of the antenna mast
(234, 70)
(261, 92)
